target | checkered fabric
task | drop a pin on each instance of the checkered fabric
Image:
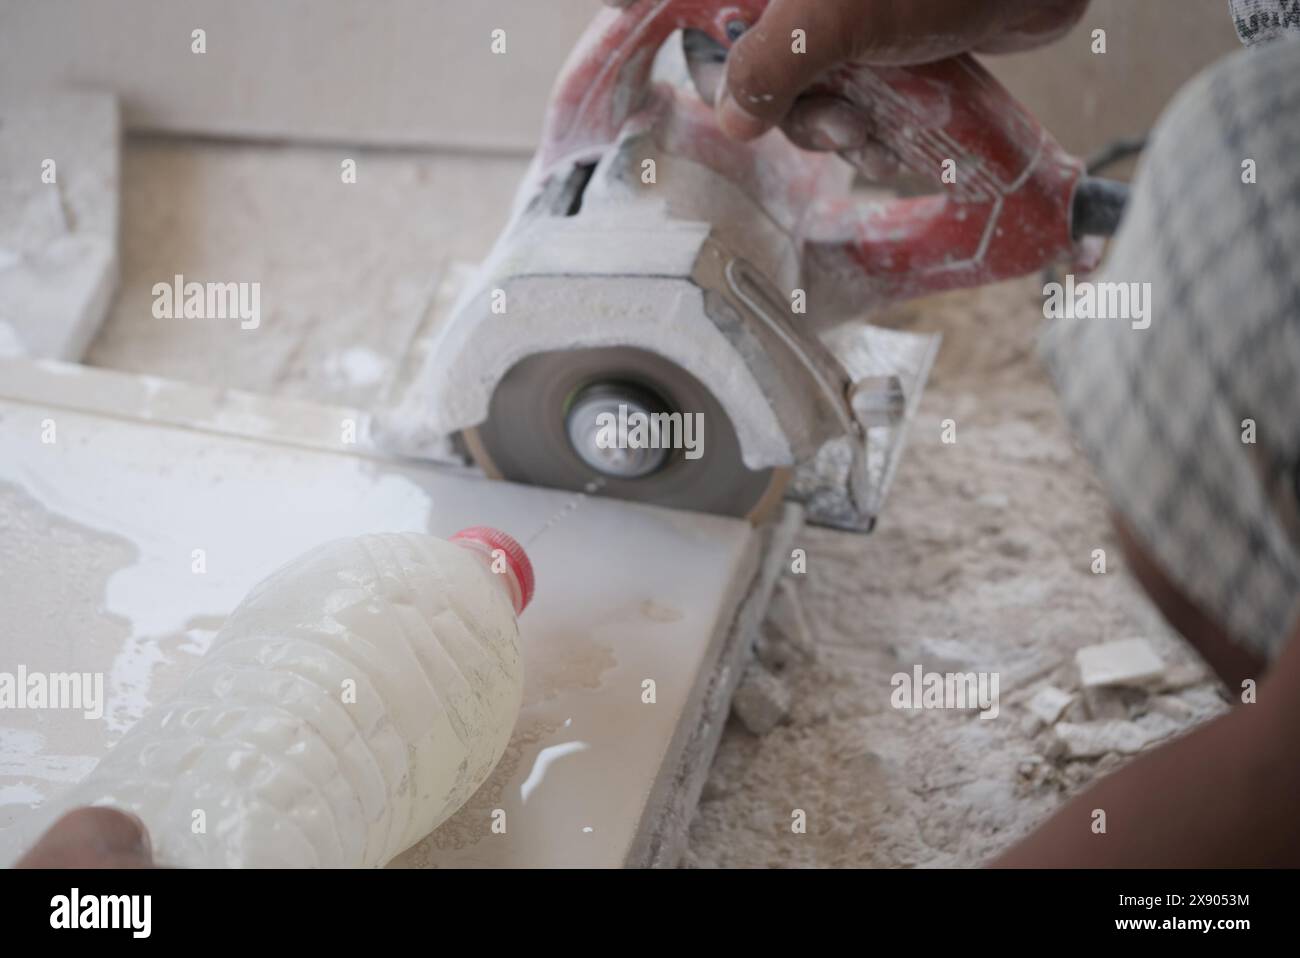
(1160, 410)
(1259, 21)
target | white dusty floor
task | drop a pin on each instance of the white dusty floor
(981, 561)
(346, 270)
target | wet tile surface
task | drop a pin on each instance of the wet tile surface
(103, 524)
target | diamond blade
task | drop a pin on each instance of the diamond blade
(528, 435)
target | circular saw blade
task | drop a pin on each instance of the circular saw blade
(524, 438)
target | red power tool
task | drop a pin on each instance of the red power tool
(655, 271)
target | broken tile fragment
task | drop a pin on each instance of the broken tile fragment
(761, 701)
(1126, 662)
(1113, 701)
(1048, 703)
(1171, 706)
(1182, 675)
(1095, 739)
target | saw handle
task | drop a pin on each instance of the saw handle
(1007, 186)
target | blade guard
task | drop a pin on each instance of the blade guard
(1008, 212)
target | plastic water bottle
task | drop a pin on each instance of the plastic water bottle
(353, 701)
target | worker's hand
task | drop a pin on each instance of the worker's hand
(92, 838)
(765, 76)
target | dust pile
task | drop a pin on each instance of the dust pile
(981, 562)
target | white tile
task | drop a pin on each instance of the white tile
(103, 523)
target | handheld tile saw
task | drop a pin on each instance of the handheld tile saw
(652, 265)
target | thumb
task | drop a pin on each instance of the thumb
(771, 64)
(767, 69)
(92, 837)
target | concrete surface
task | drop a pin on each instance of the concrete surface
(99, 575)
(58, 220)
(346, 270)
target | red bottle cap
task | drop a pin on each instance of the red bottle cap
(519, 569)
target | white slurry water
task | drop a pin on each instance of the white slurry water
(354, 701)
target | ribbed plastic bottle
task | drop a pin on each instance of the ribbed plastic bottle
(354, 701)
